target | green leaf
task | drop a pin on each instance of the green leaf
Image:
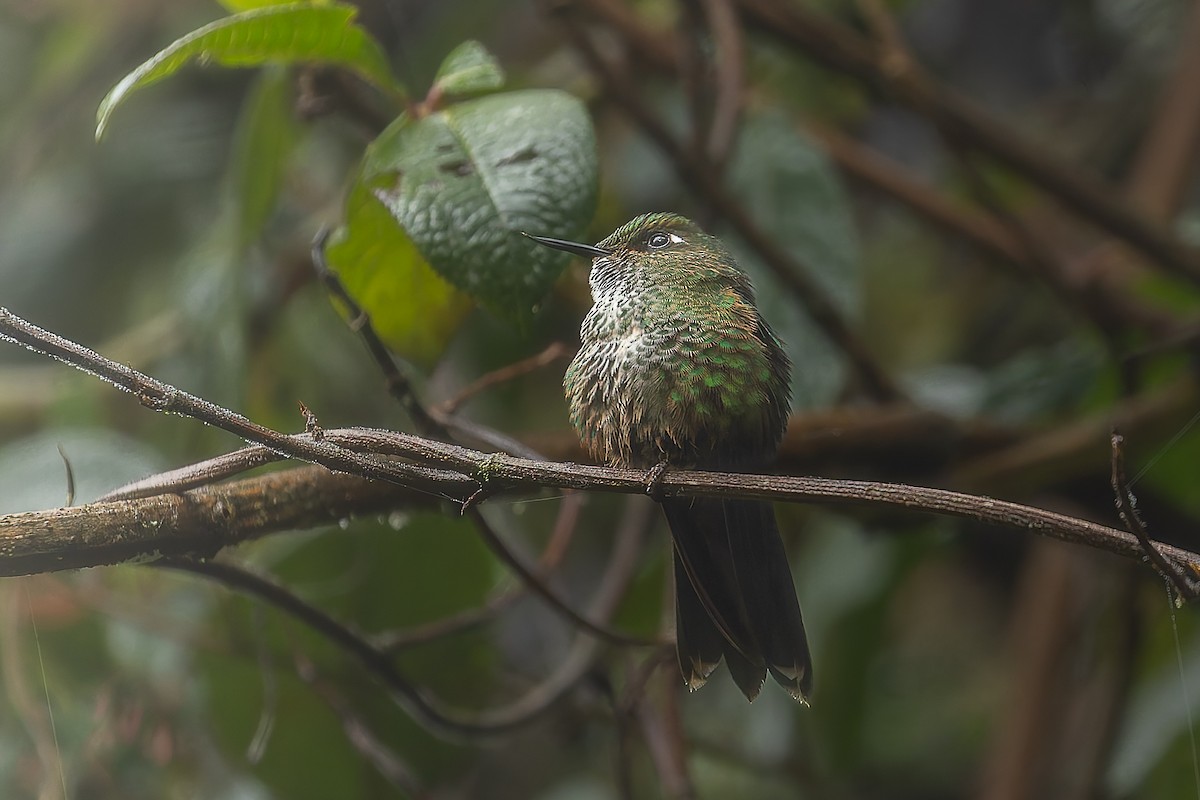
(412, 308)
(789, 187)
(466, 181)
(469, 69)
(286, 34)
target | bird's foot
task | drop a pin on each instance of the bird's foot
(653, 480)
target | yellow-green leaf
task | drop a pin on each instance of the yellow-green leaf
(412, 308)
(299, 32)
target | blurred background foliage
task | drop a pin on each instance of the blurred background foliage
(952, 661)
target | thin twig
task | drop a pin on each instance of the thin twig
(429, 422)
(386, 761)
(29, 711)
(202, 473)
(398, 383)
(539, 587)
(269, 712)
(1187, 587)
(423, 708)
(163, 397)
(556, 547)
(619, 571)
(378, 663)
(70, 501)
(555, 352)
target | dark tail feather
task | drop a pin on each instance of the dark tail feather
(700, 644)
(735, 597)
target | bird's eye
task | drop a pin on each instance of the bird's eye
(658, 241)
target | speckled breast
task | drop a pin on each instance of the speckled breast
(679, 392)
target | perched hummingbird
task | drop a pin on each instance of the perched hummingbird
(677, 367)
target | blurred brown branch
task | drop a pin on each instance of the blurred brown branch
(846, 51)
(1169, 153)
(993, 229)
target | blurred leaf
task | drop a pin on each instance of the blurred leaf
(463, 183)
(287, 34)
(469, 69)
(267, 133)
(792, 192)
(957, 390)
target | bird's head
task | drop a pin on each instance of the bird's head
(662, 248)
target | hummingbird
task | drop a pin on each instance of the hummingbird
(678, 368)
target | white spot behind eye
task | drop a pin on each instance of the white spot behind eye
(675, 239)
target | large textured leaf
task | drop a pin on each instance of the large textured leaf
(791, 190)
(466, 181)
(299, 32)
(453, 191)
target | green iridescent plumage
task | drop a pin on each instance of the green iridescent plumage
(676, 361)
(677, 366)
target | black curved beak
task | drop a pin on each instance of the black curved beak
(578, 248)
